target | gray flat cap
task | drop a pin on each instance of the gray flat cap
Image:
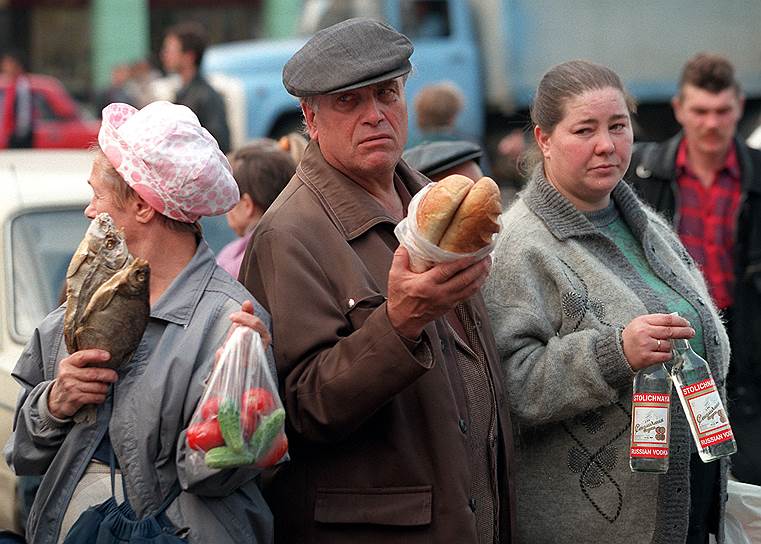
(435, 157)
(348, 55)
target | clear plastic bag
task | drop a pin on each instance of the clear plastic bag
(240, 419)
(743, 517)
(424, 254)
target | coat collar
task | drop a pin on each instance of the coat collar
(660, 162)
(562, 218)
(178, 303)
(349, 206)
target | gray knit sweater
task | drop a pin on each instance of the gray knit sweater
(558, 294)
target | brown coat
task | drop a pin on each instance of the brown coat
(378, 454)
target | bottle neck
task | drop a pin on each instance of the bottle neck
(681, 344)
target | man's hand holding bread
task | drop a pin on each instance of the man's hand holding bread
(458, 216)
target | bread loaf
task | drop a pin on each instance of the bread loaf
(439, 205)
(475, 221)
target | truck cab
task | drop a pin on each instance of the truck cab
(445, 49)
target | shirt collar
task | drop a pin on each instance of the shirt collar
(178, 303)
(730, 166)
(351, 207)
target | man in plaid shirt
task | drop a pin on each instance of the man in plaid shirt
(708, 183)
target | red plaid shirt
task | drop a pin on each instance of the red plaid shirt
(707, 222)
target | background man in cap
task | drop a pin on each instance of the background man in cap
(390, 378)
(708, 183)
(437, 160)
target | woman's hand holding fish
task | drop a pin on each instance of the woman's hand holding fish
(79, 382)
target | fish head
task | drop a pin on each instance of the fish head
(107, 241)
(138, 275)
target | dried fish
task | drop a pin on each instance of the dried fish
(99, 256)
(117, 314)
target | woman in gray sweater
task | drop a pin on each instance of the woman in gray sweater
(584, 279)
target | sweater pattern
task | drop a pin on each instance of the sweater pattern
(594, 464)
(577, 302)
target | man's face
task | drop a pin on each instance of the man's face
(9, 67)
(361, 132)
(709, 119)
(172, 56)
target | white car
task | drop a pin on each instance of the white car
(43, 195)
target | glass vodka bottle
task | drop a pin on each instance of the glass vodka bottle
(650, 429)
(701, 403)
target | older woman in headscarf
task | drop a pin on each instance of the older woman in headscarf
(157, 171)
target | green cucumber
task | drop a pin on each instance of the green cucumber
(266, 432)
(229, 423)
(224, 457)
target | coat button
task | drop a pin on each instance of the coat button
(463, 426)
(443, 346)
(642, 172)
(478, 323)
(716, 339)
(472, 504)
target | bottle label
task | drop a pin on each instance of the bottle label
(650, 424)
(707, 413)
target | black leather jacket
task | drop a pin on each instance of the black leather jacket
(209, 106)
(652, 174)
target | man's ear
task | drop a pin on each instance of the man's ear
(676, 105)
(309, 118)
(543, 141)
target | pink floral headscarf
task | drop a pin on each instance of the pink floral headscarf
(169, 159)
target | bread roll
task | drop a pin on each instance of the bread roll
(475, 221)
(438, 207)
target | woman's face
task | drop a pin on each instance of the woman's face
(104, 200)
(588, 152)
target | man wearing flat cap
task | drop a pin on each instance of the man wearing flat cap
(396, 412)
(437, 160)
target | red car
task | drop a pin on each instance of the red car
(58, 121)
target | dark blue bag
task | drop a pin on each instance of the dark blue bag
(112, 523)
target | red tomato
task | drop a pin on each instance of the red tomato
(205, 435)
(210, 408)
(257, 401)
(277, 451)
